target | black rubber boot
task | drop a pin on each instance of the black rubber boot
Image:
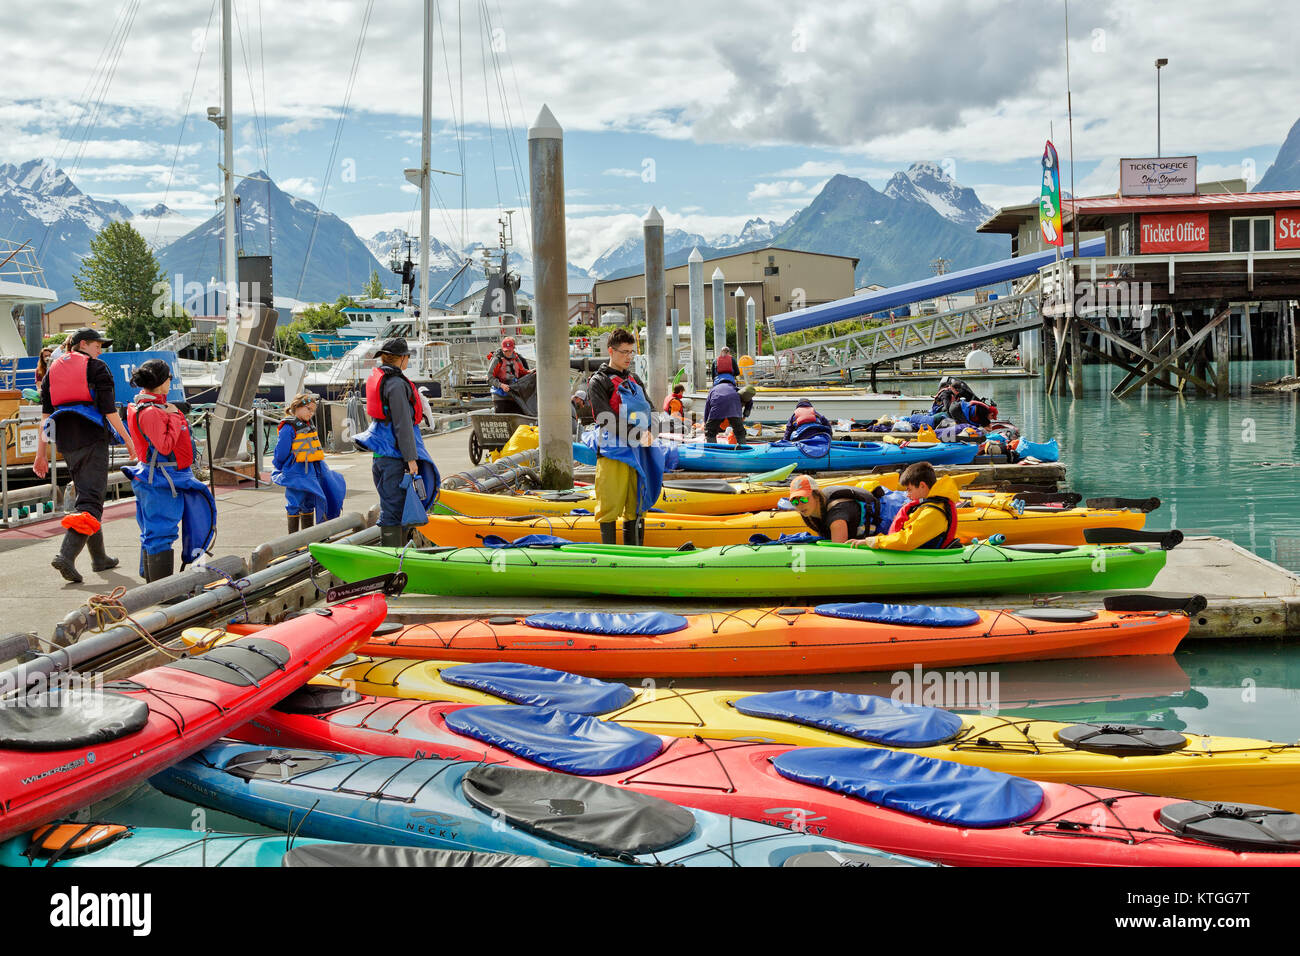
(631, 532)
(609, 532)
(293, 523)
(158, 566)
(65, 562)
(307, 520)
(99, 559)
(392, 535)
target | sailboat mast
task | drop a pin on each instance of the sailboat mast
(425, 149)
(228, 172)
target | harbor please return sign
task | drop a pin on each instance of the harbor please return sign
(1174, 232)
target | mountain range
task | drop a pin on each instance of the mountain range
(1284, 173)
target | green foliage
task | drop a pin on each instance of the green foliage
(322, 317)
(122, 277)
(374, 289)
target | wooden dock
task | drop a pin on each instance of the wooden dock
(1248, 598)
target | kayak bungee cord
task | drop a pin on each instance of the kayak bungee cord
(699, 721)
(779, 613)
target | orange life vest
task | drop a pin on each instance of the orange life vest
(306, 443)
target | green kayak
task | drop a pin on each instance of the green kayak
(749, 571)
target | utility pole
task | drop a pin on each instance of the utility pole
(655, 319)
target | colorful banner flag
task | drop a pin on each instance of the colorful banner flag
(1049, 204)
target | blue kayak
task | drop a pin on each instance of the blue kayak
(443, 804)
(821, 456)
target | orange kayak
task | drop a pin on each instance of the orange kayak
(785, 640)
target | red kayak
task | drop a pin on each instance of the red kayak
(63, 747)
(892, 800)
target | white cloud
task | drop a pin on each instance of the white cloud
(302, 186)
(625, 173)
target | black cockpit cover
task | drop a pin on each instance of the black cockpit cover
(368, 854)
(64, 719)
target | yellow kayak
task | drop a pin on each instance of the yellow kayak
(1234, 769)
(1045, 526)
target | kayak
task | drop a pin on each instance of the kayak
(749, 571)
(63, 747)
(1147, 758)
(108, 844)
(898, 801)
(835, 456)
(468, 805)
(1045, 526)
(754, 642)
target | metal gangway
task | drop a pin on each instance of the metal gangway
(909, 337)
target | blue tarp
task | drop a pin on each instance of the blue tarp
(1042, 450)
(921, 615)
(992, 273)
(570, 743)
(939, 790)
(876, 720)
(541, 686)
(604, 622)
(527, 541)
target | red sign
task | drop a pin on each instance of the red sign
(1286, 231)
(1175, 232)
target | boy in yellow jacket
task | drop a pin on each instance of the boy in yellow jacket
(929, 520)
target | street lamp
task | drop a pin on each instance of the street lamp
(1163, 61)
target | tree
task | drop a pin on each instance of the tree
(374, 289)
(122, 277)
(322, 317)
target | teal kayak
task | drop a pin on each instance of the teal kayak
(767, 571)
(821, 456)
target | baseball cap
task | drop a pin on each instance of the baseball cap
(802, 485)
(508, 342)
(394, 347)
(88, 335)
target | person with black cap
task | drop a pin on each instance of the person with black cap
(169, 501)
(400, 458)
(311, 488)
(78, 406)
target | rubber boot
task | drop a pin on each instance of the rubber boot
(65, 562)
(99, 559)
(307, 520)
(609, 532)
(293, 523)
(392, 535)
(158, 566)
(631, 532)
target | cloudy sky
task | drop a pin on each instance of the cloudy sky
(714, 112)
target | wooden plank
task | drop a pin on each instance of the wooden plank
(1152, 360)
(1131, 369)
(1167, 361)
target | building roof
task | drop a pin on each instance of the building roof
(732, 255)
(1008, 219)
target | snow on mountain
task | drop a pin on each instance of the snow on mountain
(161, 225)
(630, 253)
(755, 230)
(927, 182)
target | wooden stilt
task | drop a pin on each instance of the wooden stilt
(1223, 357)
(1076, 360)
(1292, 315)
(1165, 362)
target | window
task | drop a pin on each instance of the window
(772, 270)
(1252, 234)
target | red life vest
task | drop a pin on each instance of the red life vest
(946, 505)
(724, 364)
(375, 406)
(805, 414)
(69, 384)
(507, 368)
(183, 453)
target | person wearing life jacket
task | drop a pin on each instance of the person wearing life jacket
(951, 389)
(504, 370)
(837, 513)
(978, 412)
(393, 438)
(169, 501)
(726, 406)
(673, 405)
(312, 489)
(928, 520)
(78, 407)
(629, 466)
(725, 364)
(806, 422)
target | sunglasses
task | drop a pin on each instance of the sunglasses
(801, 500)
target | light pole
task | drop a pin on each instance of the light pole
(1163, 61)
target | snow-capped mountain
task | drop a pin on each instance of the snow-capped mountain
(441, 255)
(755, 230)
(1284, 171)
(161, 225)
(928, 183)
(40, 204)
(630, 253)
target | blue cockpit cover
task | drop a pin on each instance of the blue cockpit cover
(877, 720)
(541, 686)
(558, 740)
(602, 622)
(939, 790)
(913, 615)
(800, 537)
(527, 541)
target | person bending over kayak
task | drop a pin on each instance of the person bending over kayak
(806, 422)
(928, 520)
(838, 514)
(724, 405)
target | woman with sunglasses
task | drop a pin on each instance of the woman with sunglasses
(841, 515)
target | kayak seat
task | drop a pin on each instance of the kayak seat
(590, 816)
(557, 740)
(279, 765)
(911, 615)
(1235, 826)
(939, 790)
(314, 699)
(1121, 740)
(1058, 615)
(245, 662)
(877, 720)
(606, 622)
(60, 719)
(540, 687)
